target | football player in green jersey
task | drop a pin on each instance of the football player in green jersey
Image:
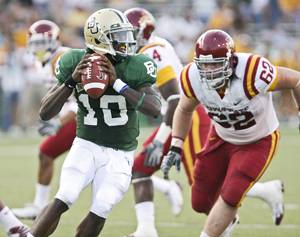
(102, 152)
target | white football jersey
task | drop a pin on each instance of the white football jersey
(49, 79)
(246, 113)
(168, 63)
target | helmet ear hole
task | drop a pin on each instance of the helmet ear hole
(97, 41)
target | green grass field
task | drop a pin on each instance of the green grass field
(18, 174)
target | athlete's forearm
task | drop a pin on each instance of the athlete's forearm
(296, 94)
(289, 79)
(53, 101)
(181, 122)
(168, 118)
(170, 92)
(145, 100)
(183, 117)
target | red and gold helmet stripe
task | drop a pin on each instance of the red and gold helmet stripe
(185, 82)
(249, 77)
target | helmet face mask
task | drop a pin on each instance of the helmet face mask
(214, 56)
(108, 31)
(214, 72)
(123, 40)
(43, 39)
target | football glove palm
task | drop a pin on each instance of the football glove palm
(48, 128)
(172, 158)
(154, 153)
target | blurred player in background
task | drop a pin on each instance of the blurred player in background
(11, 225)
(168, 68)
(235, 88)
(148, 160)
(44, 43)
(107, 127)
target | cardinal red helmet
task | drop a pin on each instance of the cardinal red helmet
(43, 39)
(214, 57)
(143, 23)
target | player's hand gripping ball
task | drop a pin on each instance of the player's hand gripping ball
(94, 80)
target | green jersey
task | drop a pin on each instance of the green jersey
(110, 120)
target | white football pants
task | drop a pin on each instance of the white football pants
(108, 169)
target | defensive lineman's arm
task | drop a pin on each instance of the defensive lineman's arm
(183, 112)
(181, 124)
(154, 151)
(289, 79)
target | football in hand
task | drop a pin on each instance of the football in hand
(94, 81)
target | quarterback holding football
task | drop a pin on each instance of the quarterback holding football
(107, 124)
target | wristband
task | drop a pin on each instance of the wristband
(123, 89)
(70, 83)
(177, 141)
(163, 133)
(120, 86)
(176, 149)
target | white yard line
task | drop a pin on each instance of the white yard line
(187, 225)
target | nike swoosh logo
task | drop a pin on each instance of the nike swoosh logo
(237, 102)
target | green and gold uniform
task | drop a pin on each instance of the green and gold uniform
(109, 121)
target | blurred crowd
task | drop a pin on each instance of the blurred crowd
(267, 27)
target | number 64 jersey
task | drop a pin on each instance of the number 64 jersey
(246, 113)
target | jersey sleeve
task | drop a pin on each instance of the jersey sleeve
(185, 83)
(64, 67)
(148, 71)
(161, 56)
(56, 58)
(260, 76)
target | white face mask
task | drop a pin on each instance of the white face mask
(214, 72)
(123, 41)
(42, 47)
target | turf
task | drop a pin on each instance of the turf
(18, 173)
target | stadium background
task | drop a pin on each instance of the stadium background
(267, 27)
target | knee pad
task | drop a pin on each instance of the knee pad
(108, 195)
(102, 208)
(233, 191)
(71, 184)
(233, 196)
(201, 202)
(68, 195)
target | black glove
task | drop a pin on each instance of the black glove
(48, 128)
(172, 158)
(154, 153)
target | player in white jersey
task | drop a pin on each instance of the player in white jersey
(235, 89)
(60, 132)
(147, 162)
